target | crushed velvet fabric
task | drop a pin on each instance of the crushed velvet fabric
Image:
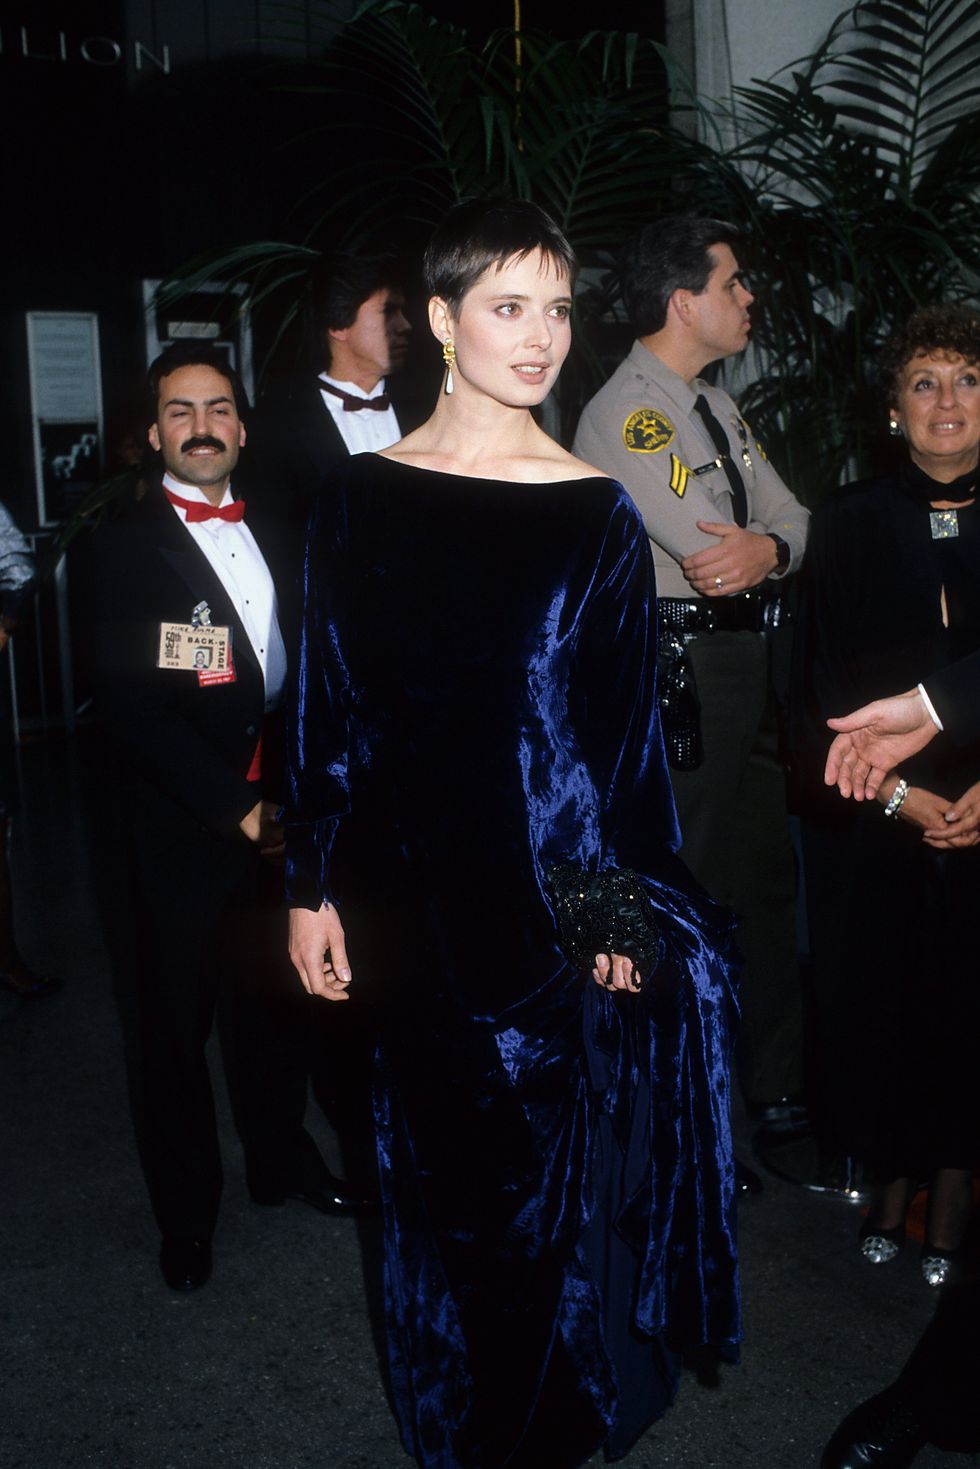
(475, 704)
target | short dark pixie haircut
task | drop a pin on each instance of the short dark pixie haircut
(192, 354)
(668, 255)
(342, 282)
(481, 233)
(950, 330)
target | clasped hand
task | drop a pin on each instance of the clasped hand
(741, 560)
(944, 824)
(959, 825)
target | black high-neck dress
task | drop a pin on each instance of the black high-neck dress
(892, 921)
(475, 703)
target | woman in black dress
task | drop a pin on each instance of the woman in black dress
(891, 589)
(475, 707)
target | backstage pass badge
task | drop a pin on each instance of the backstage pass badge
(192, 648)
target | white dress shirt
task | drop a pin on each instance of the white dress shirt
(239, 565)
(370, 429)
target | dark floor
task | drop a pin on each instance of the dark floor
(274, 1364)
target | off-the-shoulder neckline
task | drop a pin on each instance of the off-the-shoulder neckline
(488, 479)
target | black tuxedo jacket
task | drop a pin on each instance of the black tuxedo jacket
(185, 748)
(293, 442)
(955, 694)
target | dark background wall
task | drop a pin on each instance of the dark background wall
(116, 169)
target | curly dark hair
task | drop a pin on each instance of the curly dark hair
(951, 329)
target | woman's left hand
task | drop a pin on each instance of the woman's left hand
(961, 823)
(618, 974)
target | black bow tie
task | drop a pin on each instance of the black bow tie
(352, 403)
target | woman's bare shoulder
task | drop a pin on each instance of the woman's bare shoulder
(573, 468)
(560, 465)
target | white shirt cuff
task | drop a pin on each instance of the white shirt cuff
(930, 710)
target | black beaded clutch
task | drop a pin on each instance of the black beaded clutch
(606, 914)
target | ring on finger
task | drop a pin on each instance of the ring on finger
(718, 583)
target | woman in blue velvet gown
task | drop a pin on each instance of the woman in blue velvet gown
(475, 705)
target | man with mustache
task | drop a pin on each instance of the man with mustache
(724, 531)
(189, 670)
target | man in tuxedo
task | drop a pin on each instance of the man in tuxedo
(358, 334)
(199, 772)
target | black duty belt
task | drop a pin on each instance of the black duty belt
(753, 611)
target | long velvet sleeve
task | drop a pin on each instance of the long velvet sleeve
(319, 792)
(661, 1059)
(613, 698)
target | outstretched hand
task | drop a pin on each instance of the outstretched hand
(873, 740)
(318, 952)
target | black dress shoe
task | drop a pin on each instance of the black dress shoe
(329, 1194)
(883, 1433)
(186, 1263)
(747, 1181)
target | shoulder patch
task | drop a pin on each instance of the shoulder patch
(647, 431)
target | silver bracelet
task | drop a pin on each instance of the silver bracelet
(897, 798)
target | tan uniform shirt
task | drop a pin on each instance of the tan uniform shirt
(642, 429)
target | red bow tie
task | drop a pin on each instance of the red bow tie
(352, 403)
(198, 510)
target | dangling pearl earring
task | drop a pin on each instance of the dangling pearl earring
(449, 358)
(894, 428)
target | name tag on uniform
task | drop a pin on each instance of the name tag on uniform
(190, 648)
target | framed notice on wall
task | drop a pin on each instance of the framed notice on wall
(66, 408)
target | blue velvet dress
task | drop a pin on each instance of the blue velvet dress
(476, 703)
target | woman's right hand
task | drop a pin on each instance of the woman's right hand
(318, 952)
(616, 975)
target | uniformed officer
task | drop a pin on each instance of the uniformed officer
(724, 530)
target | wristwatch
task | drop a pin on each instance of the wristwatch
(782, 551)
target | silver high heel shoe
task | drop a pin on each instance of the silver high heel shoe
(937, 1266)
(880, 1246)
